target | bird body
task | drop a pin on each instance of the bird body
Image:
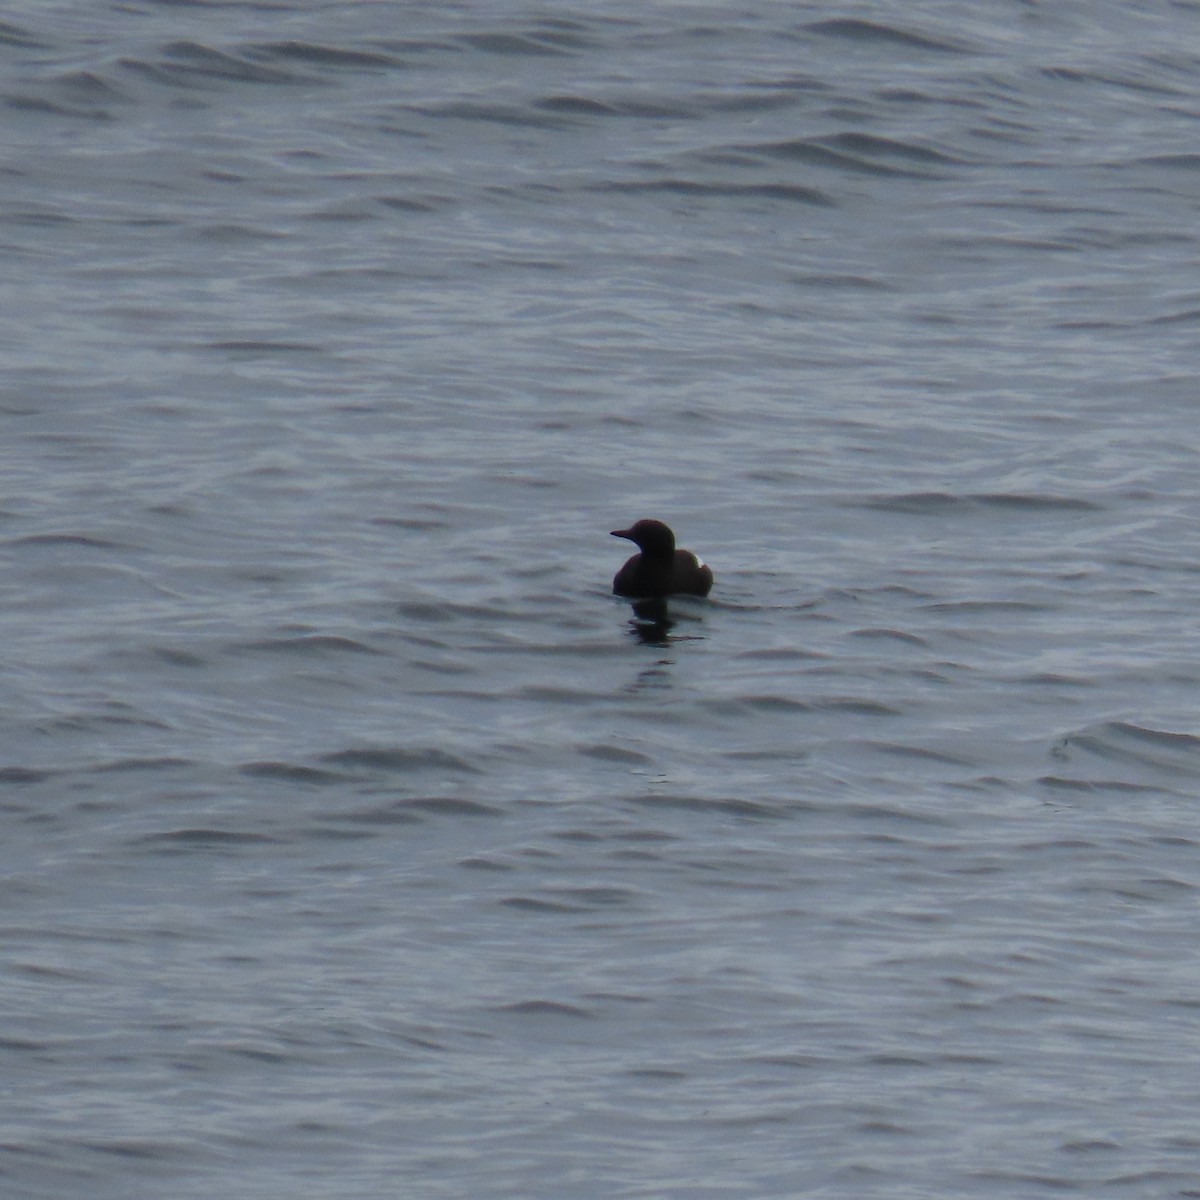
(660, 569)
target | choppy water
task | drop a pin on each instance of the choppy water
(356, 843)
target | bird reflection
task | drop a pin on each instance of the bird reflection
(652, 623)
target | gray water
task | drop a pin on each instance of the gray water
(357, 842)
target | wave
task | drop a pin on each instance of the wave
(938, 503)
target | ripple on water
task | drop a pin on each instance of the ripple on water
(729, 806)
(942, 503)
(544, 1008)
(179, 841)
(391, 760)
(855, 29)
(305, 645)
(1165, 756)
(338, 58)
(292, 773)
(190, 64)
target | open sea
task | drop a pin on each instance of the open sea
(357, 843)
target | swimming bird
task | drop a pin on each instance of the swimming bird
(660, 569)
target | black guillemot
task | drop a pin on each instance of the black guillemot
(660, 569)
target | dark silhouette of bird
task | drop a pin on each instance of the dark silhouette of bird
(660, 570)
